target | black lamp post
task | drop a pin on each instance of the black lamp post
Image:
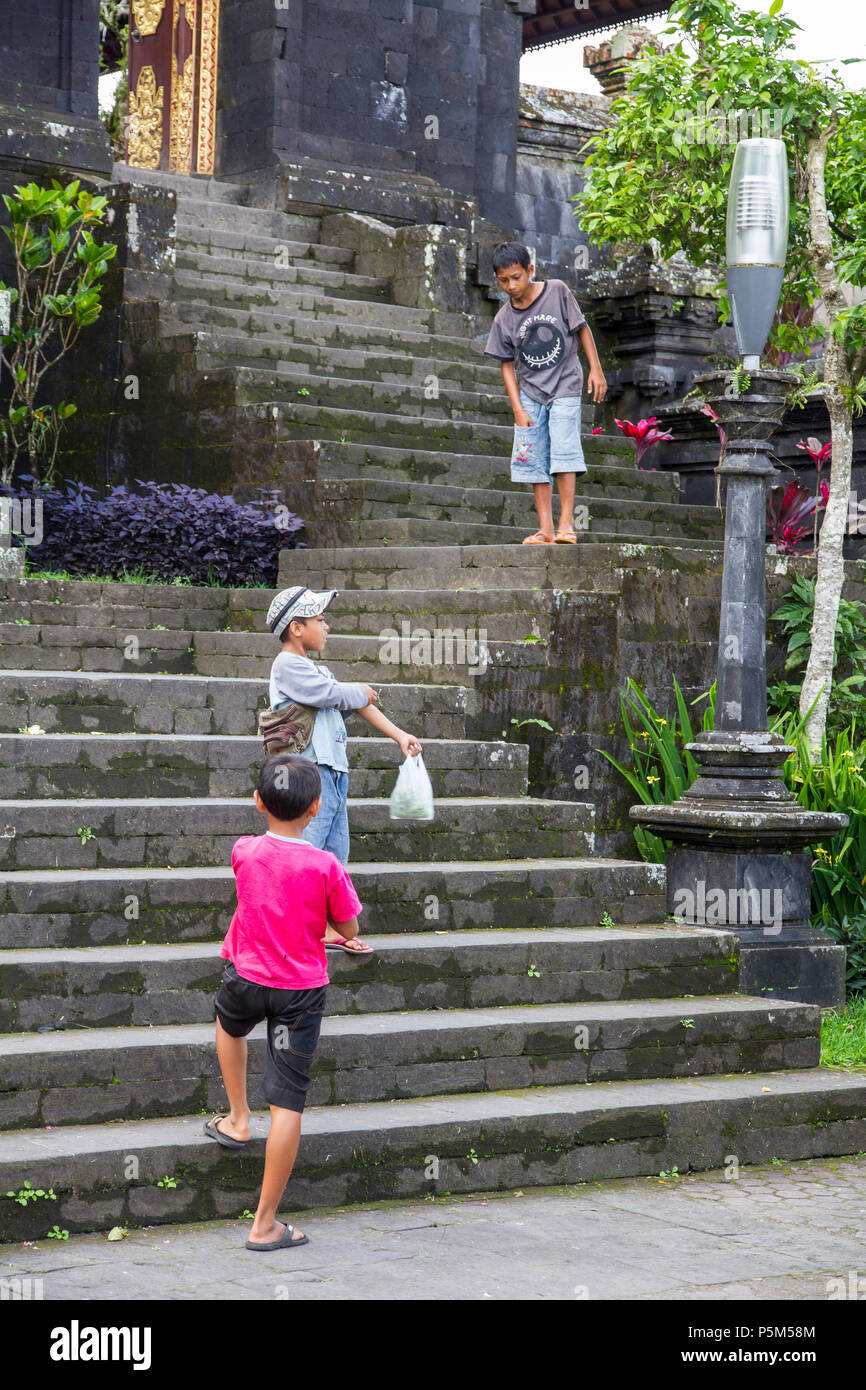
(738, 835)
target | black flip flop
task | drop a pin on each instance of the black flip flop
(285, 1242)
(226, 1140)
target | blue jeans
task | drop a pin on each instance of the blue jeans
(552, 445)
(330, 828)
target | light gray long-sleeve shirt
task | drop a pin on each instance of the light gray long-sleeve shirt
(304, 681)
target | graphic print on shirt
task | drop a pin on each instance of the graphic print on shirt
(540, 343)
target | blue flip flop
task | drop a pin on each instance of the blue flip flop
(286, 1241)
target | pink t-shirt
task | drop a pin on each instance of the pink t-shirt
(286, 889)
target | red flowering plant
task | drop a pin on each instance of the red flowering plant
(787, 509)
(819, 454)
(723, 439)
(644, 434)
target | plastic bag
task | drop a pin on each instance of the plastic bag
(412, 797)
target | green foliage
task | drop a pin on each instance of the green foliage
(847, 700)
(661, 169)
(661, 769)
(60, 268)
(843, 1036)
(114, 26)
(29, 1193)
(837, 783)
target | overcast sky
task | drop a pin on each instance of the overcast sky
(830, 29)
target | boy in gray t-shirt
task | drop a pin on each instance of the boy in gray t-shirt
(536, 329)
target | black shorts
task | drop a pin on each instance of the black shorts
(294, 1019)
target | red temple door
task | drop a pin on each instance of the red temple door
(173, 55)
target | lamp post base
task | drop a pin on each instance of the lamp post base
(738, 860)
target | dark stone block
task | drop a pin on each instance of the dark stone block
(396, 66)
(807, 972)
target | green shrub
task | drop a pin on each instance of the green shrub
(847, 701)
(837, 783)
(662, 769)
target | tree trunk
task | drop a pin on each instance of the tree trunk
(818, 679)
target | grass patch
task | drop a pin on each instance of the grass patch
(843, 1036)
(140, 576)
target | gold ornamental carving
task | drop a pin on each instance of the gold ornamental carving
(145, 122)
(146, 15)
(180, 131)
(207, 86)
(182, 100)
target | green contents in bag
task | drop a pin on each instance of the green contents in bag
(412, 797)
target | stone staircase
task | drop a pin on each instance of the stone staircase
(506, 1033)
(407, 420)
(529, 1016)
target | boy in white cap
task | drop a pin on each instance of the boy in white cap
(296, 618)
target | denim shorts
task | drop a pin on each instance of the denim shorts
(294, 1019)
(330, 828)
(552, 445)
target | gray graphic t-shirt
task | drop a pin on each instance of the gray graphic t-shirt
(540, 341)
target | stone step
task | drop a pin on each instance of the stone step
(109, 906)
(192, 287)
(384, 657)
(539, 1136)
(430, 970)
(171, 831)
(296, 327)
(487, 406)
(296, 421)
(195, 235)
(212, 215)
(53, 646)
(610, 470)
(506, 615)
(192, 190)
(279, 358)
(358, 500)
(200, 765)
(410, 530)
(115, 1073)
(28, 603)
(260, 270)
(588, 567)
(76, 702)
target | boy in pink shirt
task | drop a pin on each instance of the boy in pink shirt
(288, 893)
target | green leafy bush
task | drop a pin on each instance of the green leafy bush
(847, 699)
(59, 273)
(837, 783)
(661, 768)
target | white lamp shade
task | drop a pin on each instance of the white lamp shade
(758, 210)
(757, 241)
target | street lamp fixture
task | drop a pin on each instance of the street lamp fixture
(757, 241)
(737, 832)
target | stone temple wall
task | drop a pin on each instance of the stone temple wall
(409, 87)
(49, 73)
(552, 128)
